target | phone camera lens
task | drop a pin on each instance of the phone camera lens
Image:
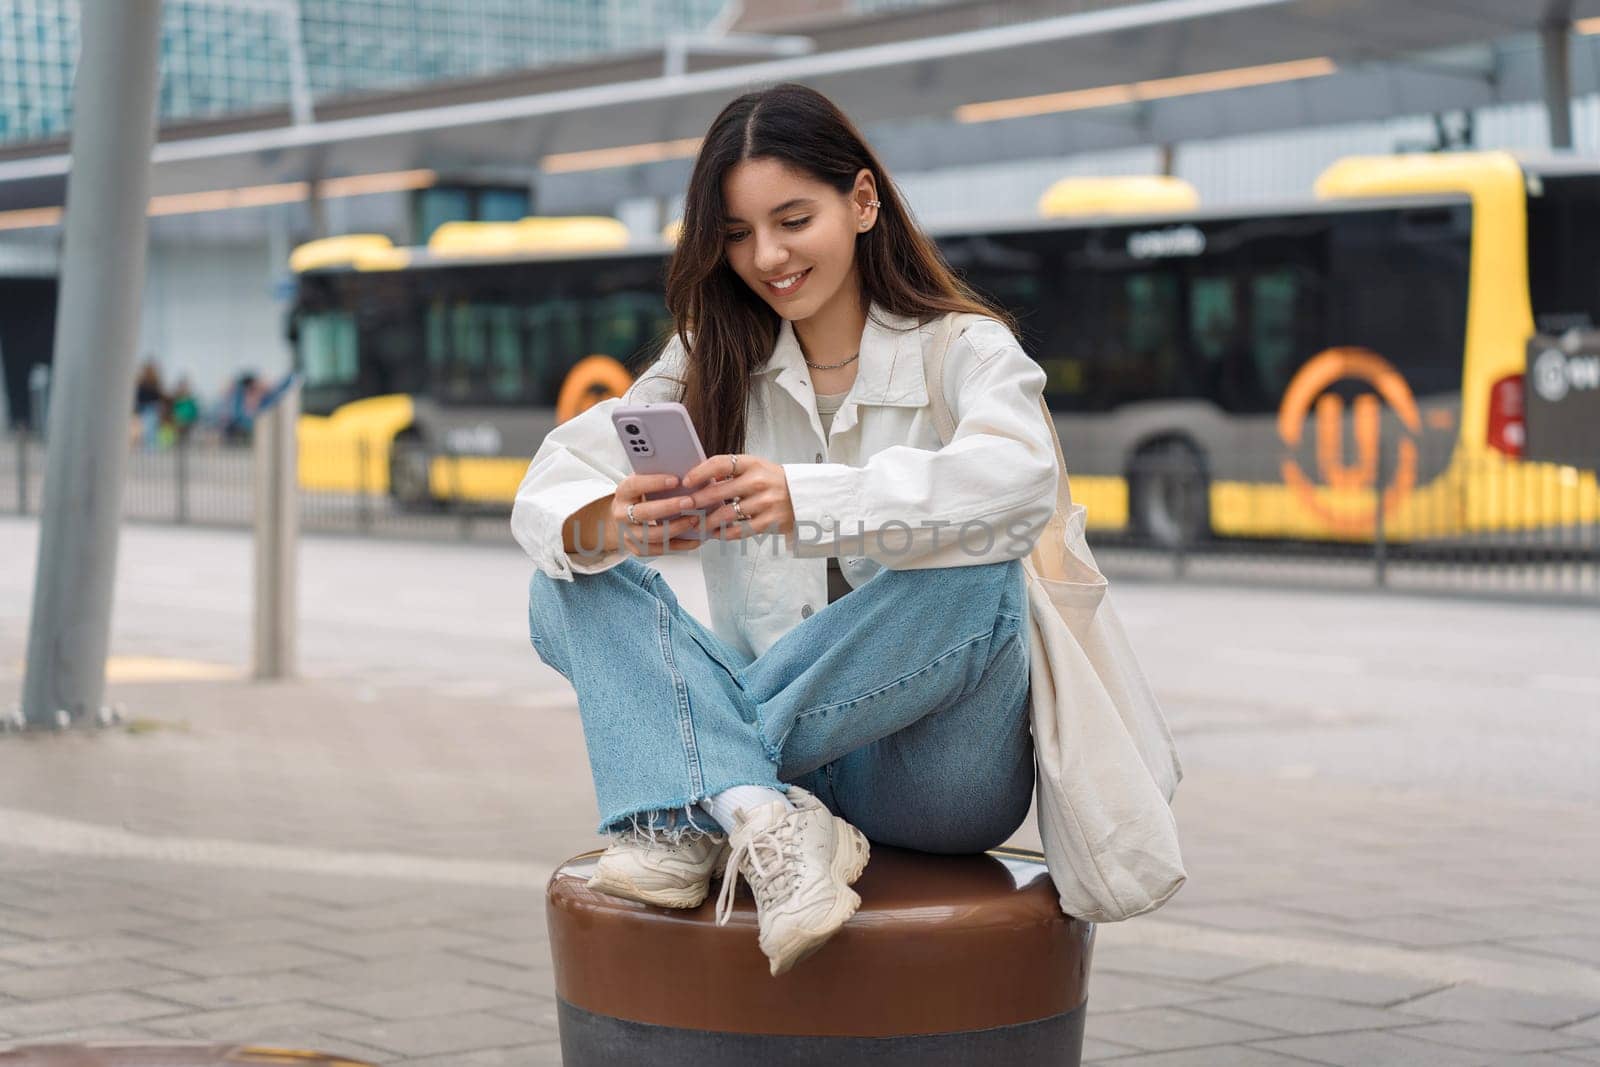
(632, 427)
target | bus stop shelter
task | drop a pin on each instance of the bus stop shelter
(943, 86)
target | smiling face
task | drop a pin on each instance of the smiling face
(792, 238)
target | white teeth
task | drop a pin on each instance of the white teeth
(787, 283)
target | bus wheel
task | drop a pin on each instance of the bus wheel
(410, 484)
(1169, 494)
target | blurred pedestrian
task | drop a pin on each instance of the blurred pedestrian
(185, 409)
(239, 408)
(147, 398)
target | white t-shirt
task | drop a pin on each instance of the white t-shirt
(827, 406)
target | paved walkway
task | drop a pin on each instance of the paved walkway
(355, 861)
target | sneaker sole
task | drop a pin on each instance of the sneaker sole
(863, 850)
(848, 865)
(691, 897)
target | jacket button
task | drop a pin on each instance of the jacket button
(805, 611)
(818, 459)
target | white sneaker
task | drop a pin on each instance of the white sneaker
(800, 864)
(658, 872)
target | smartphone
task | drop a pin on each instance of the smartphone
(659, 439)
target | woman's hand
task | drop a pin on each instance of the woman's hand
(759, 486)
(651, 531)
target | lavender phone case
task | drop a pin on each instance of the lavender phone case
(658, 439)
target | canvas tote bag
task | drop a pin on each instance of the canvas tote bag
(1106, 765)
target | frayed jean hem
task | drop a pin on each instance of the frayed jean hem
(675, 825)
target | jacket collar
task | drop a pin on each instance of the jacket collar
(890, 374)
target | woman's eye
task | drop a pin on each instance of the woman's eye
(735, 236)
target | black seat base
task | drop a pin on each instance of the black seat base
(590, 1040)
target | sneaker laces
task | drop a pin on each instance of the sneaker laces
(769, 874)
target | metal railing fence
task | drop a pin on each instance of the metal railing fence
(1480, 526)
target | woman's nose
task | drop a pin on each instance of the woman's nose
(770, 254)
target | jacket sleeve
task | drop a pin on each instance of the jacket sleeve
(982, 498)
(579, 462)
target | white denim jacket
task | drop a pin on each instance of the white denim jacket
(877, 491)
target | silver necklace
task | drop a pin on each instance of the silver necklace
(831, 366)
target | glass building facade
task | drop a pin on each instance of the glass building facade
(226, 56)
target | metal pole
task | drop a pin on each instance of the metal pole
(300, 105)
(1380, 541)
(1186, 489)
(22, 471)
(276, 537)
(39, 399)
(181, 459)
(315, 203)
(363, 492)
(1556, 60)
(102, 283)
(460, 497)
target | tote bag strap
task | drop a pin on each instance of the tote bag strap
(950, 327)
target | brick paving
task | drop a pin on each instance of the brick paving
(354, 862)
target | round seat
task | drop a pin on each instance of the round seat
(950, 960)
(164, 1055)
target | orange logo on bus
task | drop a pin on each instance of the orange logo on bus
(591, 380)
(1308, 392)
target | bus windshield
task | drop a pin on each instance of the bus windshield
(328, 357)
(1563, 217)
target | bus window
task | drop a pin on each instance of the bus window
(1400, 289)
(1011, 271)
(1138, 356)
(502, 205)
(1220, 344)
(438, 344)
(1277, 323)
(328, 358)
(554, 329)
(506, 379)
(458, 351)
(1245, 333)
(391, 336)
(624, 322)
(439, 205)
(1213, 318)
(469, 352)
(1025, 274)
(1563, 222)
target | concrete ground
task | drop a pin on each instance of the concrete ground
(1391, 820)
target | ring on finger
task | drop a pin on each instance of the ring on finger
(633, 518)
(738, 511)
(734, 470)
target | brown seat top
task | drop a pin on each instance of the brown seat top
(167, 1055)
(941, 944)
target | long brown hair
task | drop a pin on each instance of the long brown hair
(727, 330)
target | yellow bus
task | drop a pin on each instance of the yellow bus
(1295, 373)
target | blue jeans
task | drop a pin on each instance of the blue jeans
(902, 706)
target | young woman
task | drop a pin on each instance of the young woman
(866, 673)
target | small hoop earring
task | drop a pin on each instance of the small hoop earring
(874, 203)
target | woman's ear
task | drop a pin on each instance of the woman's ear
(864, 200)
